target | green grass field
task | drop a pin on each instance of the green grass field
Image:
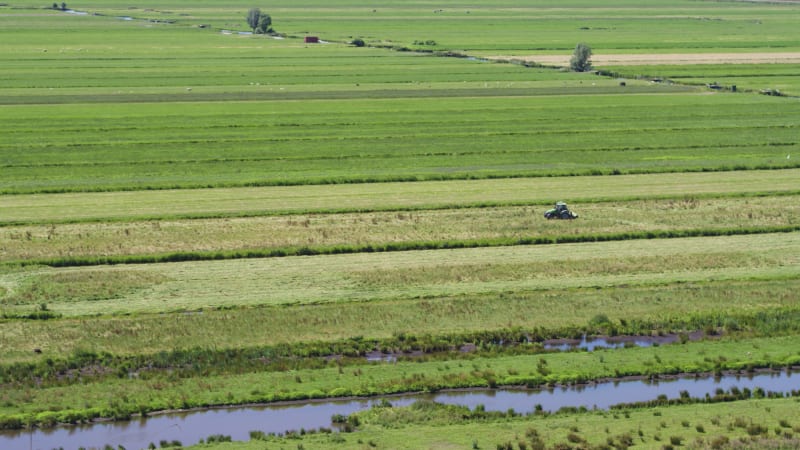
(628, 25)
(746, 77)
(401, 275)
(212, 210)
(499, 225)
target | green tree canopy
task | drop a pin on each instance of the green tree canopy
(581, 58)
(264, 24)
(253, 16)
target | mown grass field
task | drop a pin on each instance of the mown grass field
(400, 275)
(312, 142)
(370, 197)
(191, 217)
(747, 77)
(471, 226)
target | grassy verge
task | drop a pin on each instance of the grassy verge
(122, 397)
(679, 307)
(764, 423)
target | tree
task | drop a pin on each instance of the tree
(581, 58)
(264, 24)
(253, 17)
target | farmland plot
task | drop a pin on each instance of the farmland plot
(317, 203)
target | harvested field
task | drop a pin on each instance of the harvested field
(632, 59)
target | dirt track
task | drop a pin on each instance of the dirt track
(600, 60)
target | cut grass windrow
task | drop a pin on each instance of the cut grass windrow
(166, 204)
(403, 275)
(79, 261)
(465, 226)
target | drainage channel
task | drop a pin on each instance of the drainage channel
(189, 427)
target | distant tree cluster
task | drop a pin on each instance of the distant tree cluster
(259, 22)
(63, 6)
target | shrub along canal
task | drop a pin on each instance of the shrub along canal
(189, 427)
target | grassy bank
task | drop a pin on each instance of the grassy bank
(765, 423)
(160, 393)
(670, 308)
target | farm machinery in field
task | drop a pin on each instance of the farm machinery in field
(560, 211)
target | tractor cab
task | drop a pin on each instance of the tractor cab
(560, 211)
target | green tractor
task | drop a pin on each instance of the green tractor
(560, 212)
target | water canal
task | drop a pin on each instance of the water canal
(190, 427)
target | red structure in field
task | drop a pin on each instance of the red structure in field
(311, 40)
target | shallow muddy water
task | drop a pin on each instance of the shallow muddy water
(587, 343)
(191, 426)
(591, 343)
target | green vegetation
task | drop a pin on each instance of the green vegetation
(156, 387)
(354, 140)
(581, 58)
(368, 276)
(192, 215)
(724, 424)
(282, 235)
(679, 188)
(746, 77)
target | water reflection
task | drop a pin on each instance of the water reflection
(591, 343)
(190, 427)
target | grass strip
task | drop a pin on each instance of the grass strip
(192, 362)
(250, 96)
(708, 306)
(320, 231)
(462, 175)
(392, 247)
(131, 396)
(757, 423)
(75, 207)
(401, 275)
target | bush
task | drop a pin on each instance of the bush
(218, 438)
(720, 442)
(755, 429)
(358, 42)
(574, 438)
(258, 435)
